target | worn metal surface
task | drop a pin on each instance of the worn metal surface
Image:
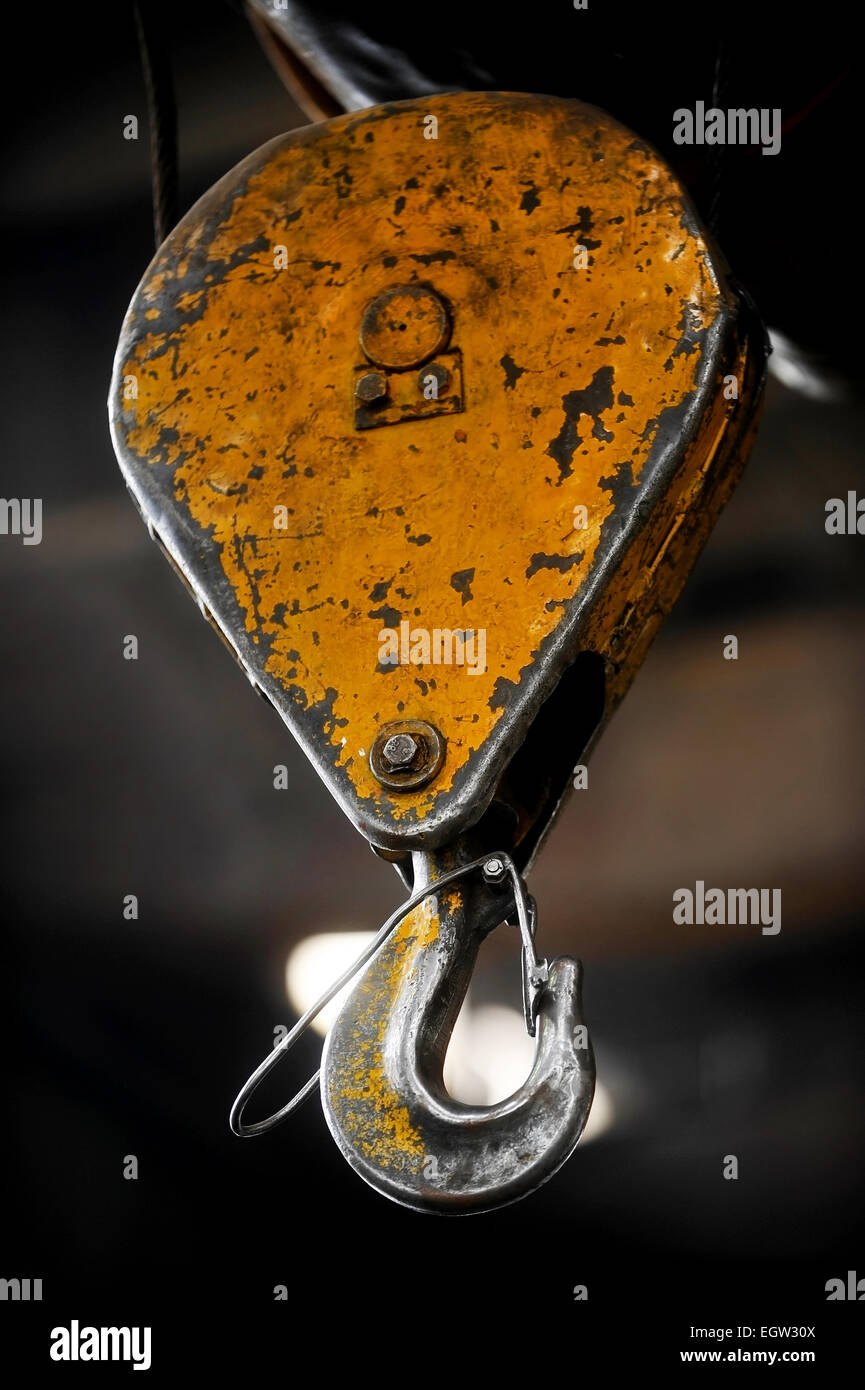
(596, 387)
(381, 1080)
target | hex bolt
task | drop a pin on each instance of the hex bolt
(494, 871)
(407, 754)
(441, 377)
(400, 750)
(372, 386)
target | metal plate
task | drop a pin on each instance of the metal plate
(595, 332)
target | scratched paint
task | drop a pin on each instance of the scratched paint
(370, 1112)
(245, 381)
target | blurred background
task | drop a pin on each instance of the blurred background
(155, 778)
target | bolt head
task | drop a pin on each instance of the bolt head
(494, 870)
(406, 754)
(440, 373)
(372, 386)
(400, 750)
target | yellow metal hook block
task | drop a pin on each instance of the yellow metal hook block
(435, 429)
(449, 566)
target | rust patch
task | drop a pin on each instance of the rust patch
(371, 1114)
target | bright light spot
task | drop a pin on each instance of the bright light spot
(793, 367)
(601, 1115)
(490, 1056)
(314, 964)
(490, 1053)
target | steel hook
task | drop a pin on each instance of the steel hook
(381, 1079)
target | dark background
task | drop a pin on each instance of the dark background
(155, 777)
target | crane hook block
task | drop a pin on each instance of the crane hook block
(433, 406)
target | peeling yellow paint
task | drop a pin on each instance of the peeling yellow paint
(248, 396)
(371, 1113)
